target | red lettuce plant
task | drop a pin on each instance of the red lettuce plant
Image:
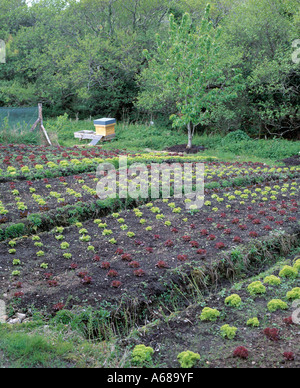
(237, 239)
(116, 284)
(289, 356)
(211, 237)
(112, 273)
(161, 264)
(139, 273)
(182, 257)
(241, 352)
(82, 274)
(127, 257)
(52, 283)
(169, 243)
(18, 294)
(288, 321)
(134, 264)
(272, 334)
(58, 307)
(86, 280)
(220, 245)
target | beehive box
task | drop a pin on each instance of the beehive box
(105, 126)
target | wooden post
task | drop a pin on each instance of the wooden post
(40, 121)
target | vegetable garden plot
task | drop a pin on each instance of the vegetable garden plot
(22, 198)
(30, 155)
(128, 253)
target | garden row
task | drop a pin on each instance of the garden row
(252, 323)
(130, 253)
(20, 199)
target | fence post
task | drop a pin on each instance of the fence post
(40, 121)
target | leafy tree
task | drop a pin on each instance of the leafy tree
(186, 69)
(258, 39)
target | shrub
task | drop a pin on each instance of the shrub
(235, 137)
(254, 322)
(233, 300)
(228, 331)
(277, 304)
(209, 314)
(294, 294)
(142, 354)
(188, 359)
(14, 231)
(256, 288)
(288, 272)
(272, 280)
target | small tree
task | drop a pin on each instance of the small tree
(186, 69)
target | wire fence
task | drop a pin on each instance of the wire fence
(15, 124)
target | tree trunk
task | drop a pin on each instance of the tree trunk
(190, 136)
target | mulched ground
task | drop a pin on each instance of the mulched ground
(182, 148)
(292, 161)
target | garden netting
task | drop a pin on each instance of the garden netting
(18, 120)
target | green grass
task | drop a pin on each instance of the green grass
(141, 138)
(39, 344)
(17, 137)
(20, 349)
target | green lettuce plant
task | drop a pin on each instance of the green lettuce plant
(277, 304)
(228, 332)
(209, 314)
(142, 354)
(233, 300)
(188, 359)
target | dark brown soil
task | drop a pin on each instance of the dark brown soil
(184, 149)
